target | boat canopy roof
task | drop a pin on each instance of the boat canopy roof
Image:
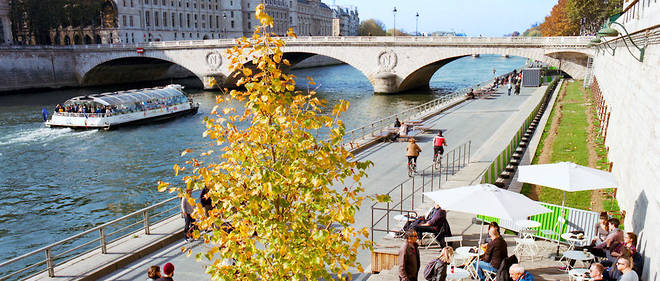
(131, 96)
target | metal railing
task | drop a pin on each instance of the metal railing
(502, 160)
(566, 41)
(402, 196)
(576, 220)
(417, 112)
(95, 238)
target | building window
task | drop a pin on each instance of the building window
(124, 2)
(203, 21)
(2, 33)
(183, 36)
(173, 20)
(164, 4)
(146, 1)
(232, 24)
(188, 19)
(124, 21)
(217, 21)
(164, 18)
(156, 18)
(131, 20)
(131, 3)
(232, 14)
(147, 22)
(180, 20)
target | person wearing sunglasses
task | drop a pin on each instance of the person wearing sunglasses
(625, 266)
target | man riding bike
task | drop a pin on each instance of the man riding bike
(438, 143)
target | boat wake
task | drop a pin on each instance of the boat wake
(40, 135)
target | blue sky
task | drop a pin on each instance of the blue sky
(474, 17)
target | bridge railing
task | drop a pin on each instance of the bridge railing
(99, 237)
(377, 127)
(568, 41)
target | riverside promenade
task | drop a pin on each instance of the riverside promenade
(488, 123)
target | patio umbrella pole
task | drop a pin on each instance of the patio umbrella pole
(563, 202)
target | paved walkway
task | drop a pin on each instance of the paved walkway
(489, 123)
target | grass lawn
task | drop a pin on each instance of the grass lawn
(570, 145)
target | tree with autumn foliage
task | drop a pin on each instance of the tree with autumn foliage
(278, 211)
(571, 17)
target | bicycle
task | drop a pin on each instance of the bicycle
(412, 168)
(437, 161)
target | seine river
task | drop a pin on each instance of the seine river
(58, 182)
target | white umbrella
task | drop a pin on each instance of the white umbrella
(566, 176)
(487, 200)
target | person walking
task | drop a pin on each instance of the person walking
(168, 272)
(409, 258)
(508, 88)
(153, 273)
(187, 211)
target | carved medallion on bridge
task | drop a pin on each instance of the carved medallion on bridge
(214, 59)
(387, 60)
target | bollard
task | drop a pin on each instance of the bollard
(145, 214)
(49, 263)
(102, 238)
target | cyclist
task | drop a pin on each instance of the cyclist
(412, 151)
(438, 143)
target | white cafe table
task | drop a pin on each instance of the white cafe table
(465, 252)
(576, 256)
(526, 226)
(403, 218)
(572, 239)
(578, 274)
(459, 274)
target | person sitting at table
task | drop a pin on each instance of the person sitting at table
(625, 265)
(601, 230)
(613, 238)
(496, 252)
(596, 272)
(437, 224)
(613, 272)
(518, 273)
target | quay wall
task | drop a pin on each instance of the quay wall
(631, 90)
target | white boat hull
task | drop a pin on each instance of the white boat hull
(100, 121)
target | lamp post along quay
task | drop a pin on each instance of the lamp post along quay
(417, 24)
(394, 29)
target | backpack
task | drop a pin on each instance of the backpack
(429, 270)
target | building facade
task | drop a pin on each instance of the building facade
(5, 23)
(138, 21)
(345, 21)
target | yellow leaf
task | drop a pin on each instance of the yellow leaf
(183, 153)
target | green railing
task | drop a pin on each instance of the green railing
(501, 161)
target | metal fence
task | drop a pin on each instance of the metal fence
(402, 196)
(501, 161)
(99, 237)
(576, 220)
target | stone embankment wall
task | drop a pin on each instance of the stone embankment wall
(25, 69)
(631, 90)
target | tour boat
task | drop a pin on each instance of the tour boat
(110, 110)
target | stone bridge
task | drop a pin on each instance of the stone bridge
(392, 64)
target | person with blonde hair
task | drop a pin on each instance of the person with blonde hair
(436, 270)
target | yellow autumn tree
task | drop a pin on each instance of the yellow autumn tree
(284, 194)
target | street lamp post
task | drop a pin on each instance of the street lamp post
(224, 24)
(394, 29)
(417, 24)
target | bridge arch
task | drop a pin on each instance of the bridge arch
(572, 63)
(133, 69)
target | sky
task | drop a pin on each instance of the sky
(474, 17)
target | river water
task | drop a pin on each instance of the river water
(58, 182)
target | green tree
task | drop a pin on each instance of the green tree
(371, 27)
(275, 176)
